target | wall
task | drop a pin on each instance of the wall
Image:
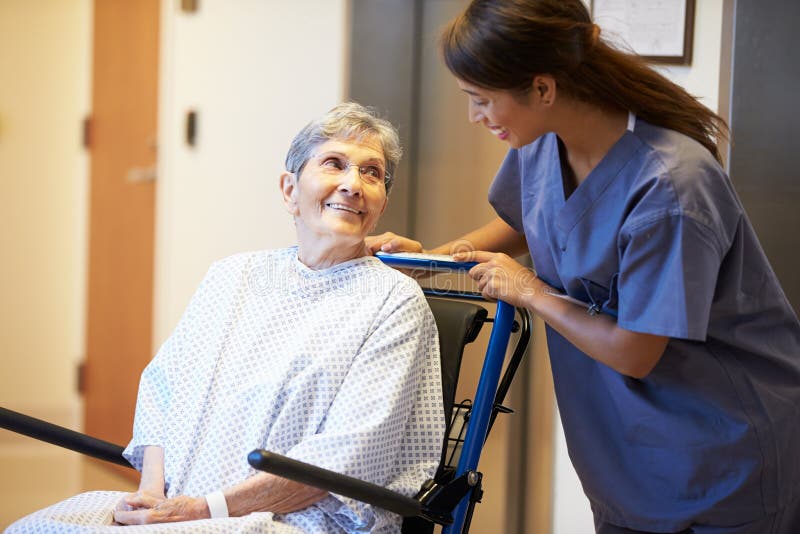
(43, 174)
(765, 120)
(255, 72)
(384, 75)
(701, 79)
(44, 94)
(571, 514)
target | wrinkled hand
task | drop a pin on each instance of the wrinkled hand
(500, 277)
(140, 499)
(391, 242)
(142, 508)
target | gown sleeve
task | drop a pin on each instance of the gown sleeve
(386, 422)
(163, 375)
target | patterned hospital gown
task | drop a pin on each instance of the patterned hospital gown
(337, 367)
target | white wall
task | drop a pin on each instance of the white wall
(45, 86)
(701, 79)
(44, 95)
(571, 513)
(256, 72)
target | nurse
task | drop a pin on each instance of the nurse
(675, 353)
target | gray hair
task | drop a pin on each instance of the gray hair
(347, 120)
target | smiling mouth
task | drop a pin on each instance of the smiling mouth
(343, 207)
(500, 132)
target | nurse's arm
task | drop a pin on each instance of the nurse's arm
(496, 236)
(630, 353)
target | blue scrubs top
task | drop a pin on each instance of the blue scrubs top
(656, 237)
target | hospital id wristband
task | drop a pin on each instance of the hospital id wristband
(217, 505)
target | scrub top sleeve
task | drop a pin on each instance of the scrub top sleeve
(505, 192)
(668, 275)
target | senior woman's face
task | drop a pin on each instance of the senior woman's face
(340, 194)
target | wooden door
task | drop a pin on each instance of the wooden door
(123, 154)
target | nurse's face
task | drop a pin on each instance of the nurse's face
(340, 195)
(509, 117)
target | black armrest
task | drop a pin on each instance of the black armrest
(63, 437)
(334, 482)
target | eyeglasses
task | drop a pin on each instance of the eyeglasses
(338, 165)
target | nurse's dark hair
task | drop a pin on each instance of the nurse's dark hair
(346, 121)
(505, 44)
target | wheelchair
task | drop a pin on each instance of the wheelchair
(448, 499)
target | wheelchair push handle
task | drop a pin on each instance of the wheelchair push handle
(424, 261)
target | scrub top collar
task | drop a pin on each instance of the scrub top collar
(571, 210)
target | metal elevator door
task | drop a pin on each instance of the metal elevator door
(764, 117)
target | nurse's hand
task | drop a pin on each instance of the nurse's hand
(182, 508)
(391, 242)
(500, 277)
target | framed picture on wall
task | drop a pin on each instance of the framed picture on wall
(659, 30)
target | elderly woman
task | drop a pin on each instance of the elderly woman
(318, 352)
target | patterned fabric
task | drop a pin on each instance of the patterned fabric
(338, 368)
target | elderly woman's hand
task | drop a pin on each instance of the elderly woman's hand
(140, 499)
(391, 242)
(141, 509)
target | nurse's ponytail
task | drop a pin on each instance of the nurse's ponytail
(504, 44)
